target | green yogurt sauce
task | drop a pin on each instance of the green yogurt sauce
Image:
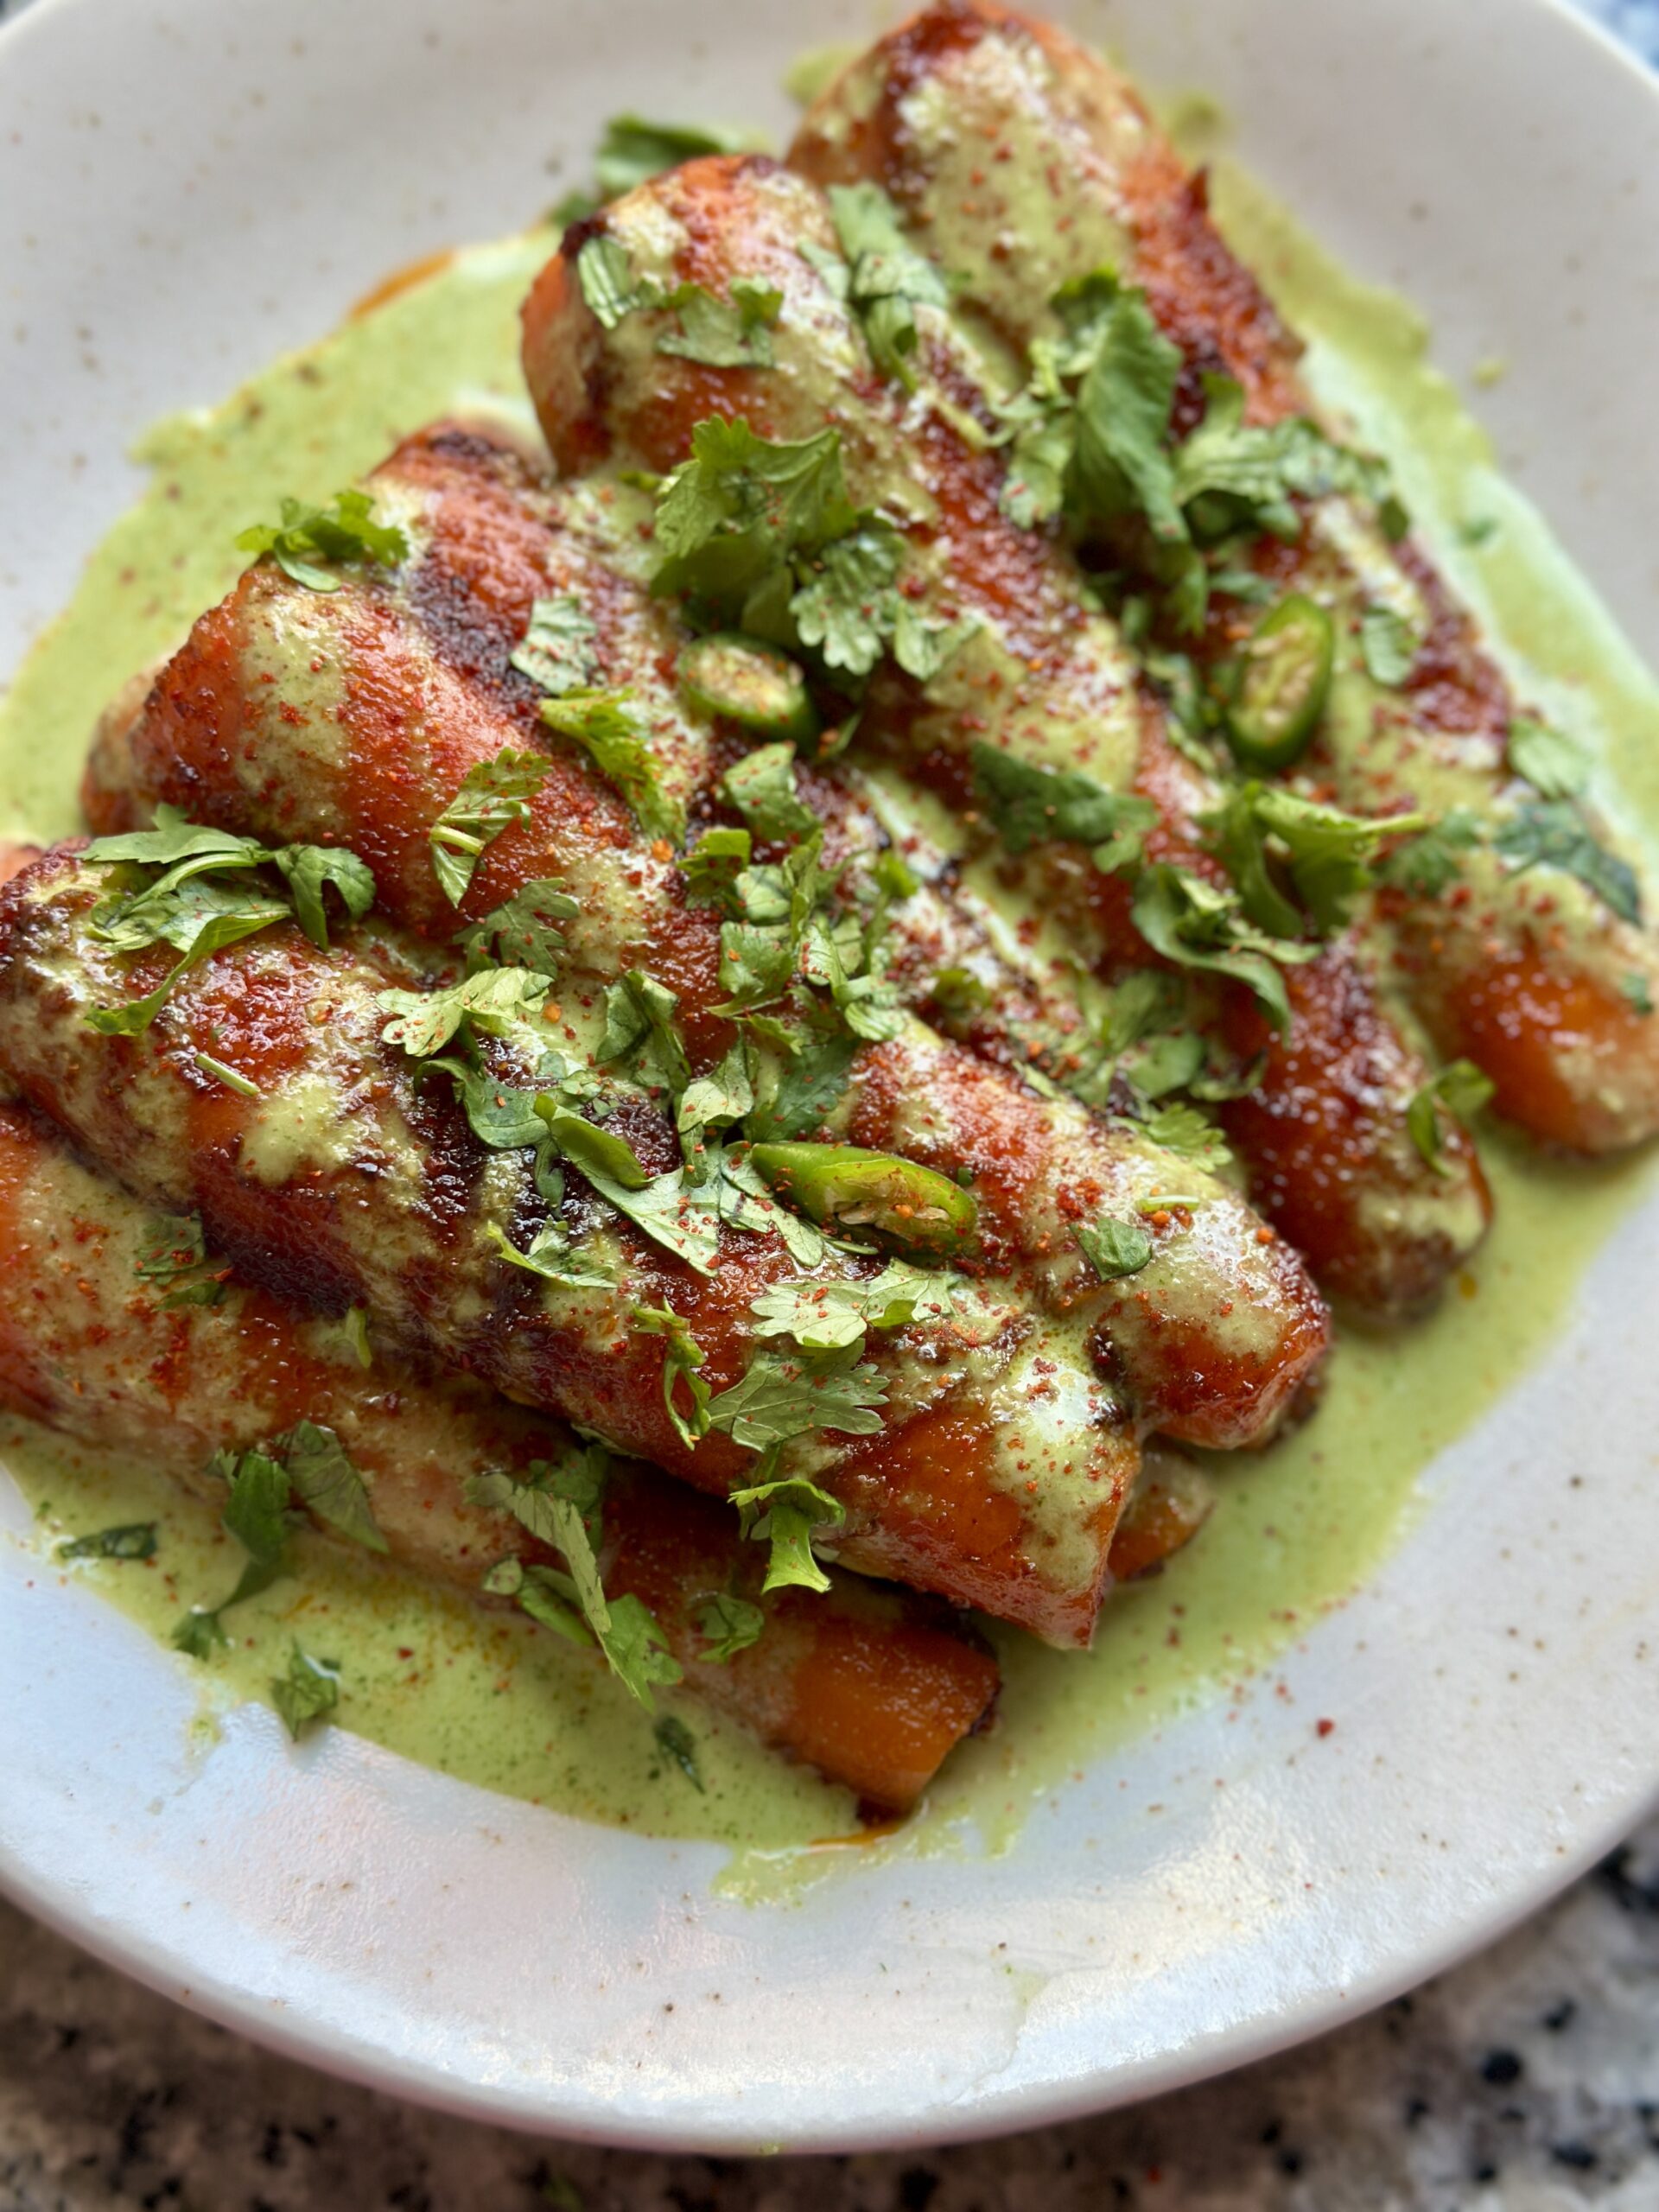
(1298, 1528)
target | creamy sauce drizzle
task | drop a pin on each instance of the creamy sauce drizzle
(1298, 1528)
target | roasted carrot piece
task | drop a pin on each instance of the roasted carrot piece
(218, 735)
(1530, 972)
(1042, 674)
(872, 1686)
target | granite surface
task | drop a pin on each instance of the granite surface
(1527, 2080)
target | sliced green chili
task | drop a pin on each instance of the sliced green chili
(844, 1184)
(749, 682)
(1280, 684)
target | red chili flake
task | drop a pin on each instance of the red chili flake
(1323, 1727)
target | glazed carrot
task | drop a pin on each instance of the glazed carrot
(872, 1686)
(232, 732)
(1040, 675)
(346, 1178)
(980, 122)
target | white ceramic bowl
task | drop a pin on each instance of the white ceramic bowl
(182, 191)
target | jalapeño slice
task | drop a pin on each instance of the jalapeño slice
(843, 1186)
(1280, 684)
(749, 682)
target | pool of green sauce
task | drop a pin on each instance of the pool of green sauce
(1298, 1528)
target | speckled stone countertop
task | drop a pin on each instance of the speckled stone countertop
(1527, 2080)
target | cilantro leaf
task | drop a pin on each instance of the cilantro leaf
(1029, 805)
(1330, 854)
(1432, 860)
(494, 1001)
(729, 333)
(1124, 394)
(1461, 1090)
(549, 1254)
(1388, 645)
(1194, 923)
(785, 1514)
(715, 1100)
(524, 931)
(1552, 764)
(713, 866)
(1113, 1249)
(1634, 987)
(344, 531)
(808, 1090)
(605, 272)
(727, 1625)
(325, 1480)
(128, 1540)
(1554, 834)
(560, 1505)
(309, 1690)
(762, 788)
(179, 1265)
(634, 149)
(557, 651)
(740, 505)
(603, 724)
(1182, 1129)
(494, 795)
(308, 869)
(886, 278)
(256, 1513)
(640, 1032)
(680, 1361)
(848, 607)
(830, 1315)
(676, 1743)
(779, 1396)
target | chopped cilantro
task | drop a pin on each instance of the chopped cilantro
(828, 1315)
(641, 1033)
(325, 1479)
(1552, 764)
(762, 788)
(1196, 924)
(1461, 1090)
(1113, 1249)
(127, 1540)
(1029, 804)
(730, 334)
(1554, 834)
(1388, 645)
(634, 150)
(494, 1000)
(885, 280)
(1432, 860)
(681, 1361)
(713, 864)
(557, 651)
(256, 1513)
(1635, 988)
(785, 1514)
(727, 1625)
(342, 532)
(180, 1266)
(678, 1745)
(1182, 1129)
(494, 795)
(524, 932)
(1330, 854)
(306, 1693)
(603, 724)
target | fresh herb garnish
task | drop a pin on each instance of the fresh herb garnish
(1197, 923)
(524, 931)
(1029, 804)
(256, 1513)
(727, 1625)
(179, 1265)
(204, 897)
(830, 1315)
(682, 1356)
(1554, 834)
(1552, 764)
(306, 1693)
(557, 651)
(343, 531)
(561, 1504)
(679, 1746)
(494, 795)
(1459, 1090)
(785, 1514)
(634, 149)
(1388, 645)
(603, 724)
(884, 279)
(128, 1540)
(328, 1482)
(1113, 1249)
